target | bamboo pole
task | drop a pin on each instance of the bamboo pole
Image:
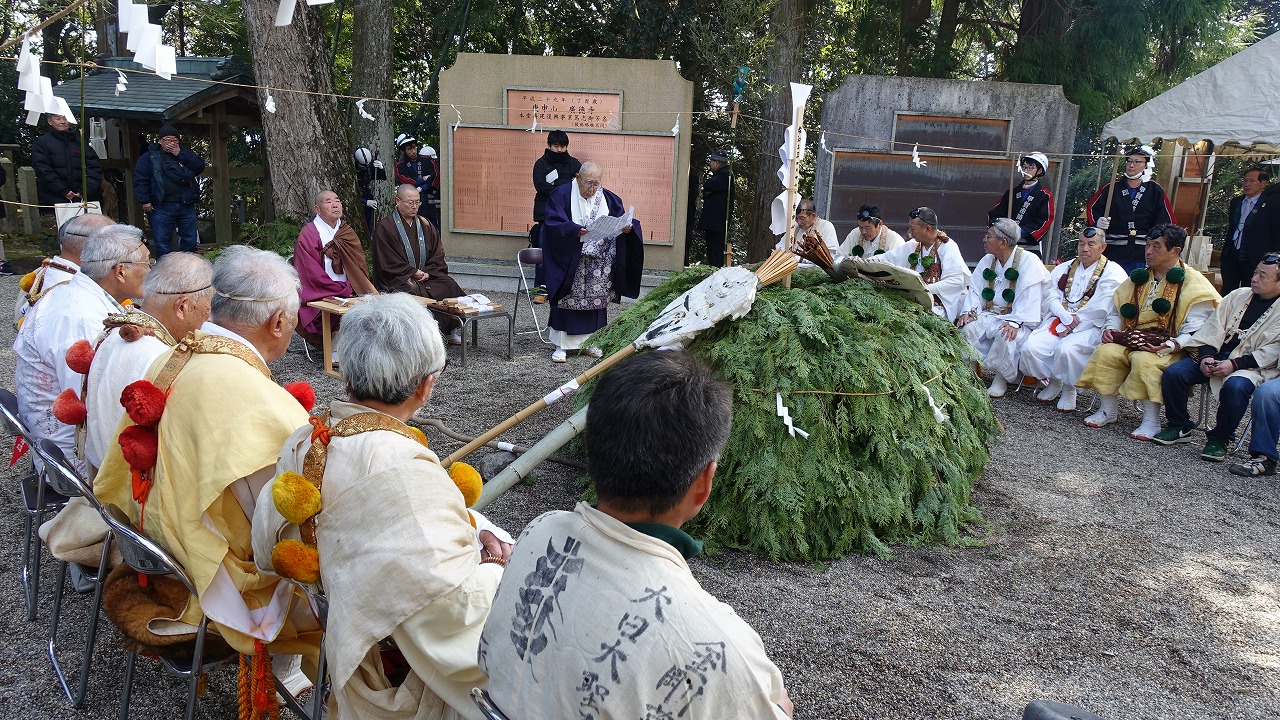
(1111, 191)
(1013, 182)
(523, 465)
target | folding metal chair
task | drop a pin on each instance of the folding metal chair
(38, 499)
(482, 700)
(63, 478)
(147, 557)
(319, 694)
(529, 256)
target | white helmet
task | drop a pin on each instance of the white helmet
(1037, 158)
(428, 151)
(404, 139)
(363, 157)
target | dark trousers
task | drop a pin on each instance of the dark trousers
(1233, 399)
(715, 247)
(1130, 255)
(166, 217)
(1234, 273)
(535, 240)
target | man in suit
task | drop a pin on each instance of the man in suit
(1252, 229)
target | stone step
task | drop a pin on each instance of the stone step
(484, 275)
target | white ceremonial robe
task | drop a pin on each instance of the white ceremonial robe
(596, 620)
(398, 558)
(47, 277)
(998, 353)
(1046, 356)
(72, 312)
(116, 364)
(887, 240)
(1261, 339)
(950, 288)
(825, 229)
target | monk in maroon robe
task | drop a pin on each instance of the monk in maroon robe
(330, 262)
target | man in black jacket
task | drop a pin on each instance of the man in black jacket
(1253, 229)
(1032, 206)
(56, 157)
(1138, 204)
(717, 204)
(165, 182)
(555, 168)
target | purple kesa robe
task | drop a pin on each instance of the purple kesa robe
(346, 256)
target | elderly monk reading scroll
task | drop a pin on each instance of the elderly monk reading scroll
(598, 615)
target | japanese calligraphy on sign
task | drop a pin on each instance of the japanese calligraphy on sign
(564, 109)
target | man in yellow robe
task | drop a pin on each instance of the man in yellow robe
(222, 427)
(1165, 303)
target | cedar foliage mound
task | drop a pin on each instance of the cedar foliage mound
(876, 469)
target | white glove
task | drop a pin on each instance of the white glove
(377, 165)
(371, 204)
(1103, 223)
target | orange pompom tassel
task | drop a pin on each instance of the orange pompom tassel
(468, 481)
(297, 561)
(80, 356)
(143, 401)
(28, 281)
(295, 497)
(303, 393)
(69, 409)
(140, 446)
(421, 436)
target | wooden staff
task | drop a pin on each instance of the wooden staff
(792, 189)
(1017, 173)
(1111, 191)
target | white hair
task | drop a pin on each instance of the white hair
(388, 344)
(74, 232)
(1007, 230)
(109, 246)
(251, 285)
(177, 274)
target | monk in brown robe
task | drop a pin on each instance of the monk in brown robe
(409, 257)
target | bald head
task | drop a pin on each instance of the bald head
(74, 232)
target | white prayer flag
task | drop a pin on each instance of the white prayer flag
(61, 108)
(166, 61)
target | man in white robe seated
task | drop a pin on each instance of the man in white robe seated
(871, 236)
(1077, 302)
(808, 222)
(938, 260)
(113, 263)
(1004, 305)
(1235, 351)
(401, 558)
(598, 614)
(56, 271)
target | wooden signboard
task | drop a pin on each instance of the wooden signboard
(564, 109)
(960, 189)
(950, 135)
(493, 177)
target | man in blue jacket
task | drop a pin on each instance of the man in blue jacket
(165, 182)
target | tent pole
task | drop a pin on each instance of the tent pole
(1208, 187)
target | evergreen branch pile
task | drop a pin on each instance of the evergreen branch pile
(849, 360)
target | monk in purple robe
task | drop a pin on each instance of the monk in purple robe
(584, 277)
(330, 262)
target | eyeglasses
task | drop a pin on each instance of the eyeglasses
(806, 211)
(149, 263)
(590, 183)
(410, 202)
(866, 216)
(914, 213)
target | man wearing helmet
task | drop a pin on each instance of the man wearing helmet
(367, 171)
(1032, 206)
(1138, 204)
(420, 170)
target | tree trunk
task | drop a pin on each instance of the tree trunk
(944, 62)
(787, 65)
(307, 146)
(911, 36)
(371, 78)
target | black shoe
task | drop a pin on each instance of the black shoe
(6, 268)
(1257, 465)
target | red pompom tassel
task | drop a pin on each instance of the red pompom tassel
(69, 409)
(143, 401)
(303, 393)
(80, 356)
(140, 446)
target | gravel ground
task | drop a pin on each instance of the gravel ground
(1133, 580)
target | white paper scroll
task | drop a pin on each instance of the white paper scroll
(607, 226)
(791, 153)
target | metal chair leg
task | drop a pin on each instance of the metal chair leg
(197, 667)
(130, 661)
(91, 633)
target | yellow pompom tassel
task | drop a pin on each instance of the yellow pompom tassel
(296, 561)
(421, 436)
(27, 281)
(468, 481)
(295, 497)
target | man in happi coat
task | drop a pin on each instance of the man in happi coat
(598, 615)
(1032, 205)
(938, 260)
(1234, 351)
(1078, 299)
(223, 422)
(330, 262)
(113, 263)
(1138, 205)
(57, 271)
(1157, 310)
(399, 557)
(1004, 302)
(583, 277)
(176, 294)
(409, 257)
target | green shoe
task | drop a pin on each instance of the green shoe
(1172, 435)
(1215, 450)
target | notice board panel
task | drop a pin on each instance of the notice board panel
(960, 189)
(951, 135)
(492, 179)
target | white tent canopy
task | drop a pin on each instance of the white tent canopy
(1234, 101)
